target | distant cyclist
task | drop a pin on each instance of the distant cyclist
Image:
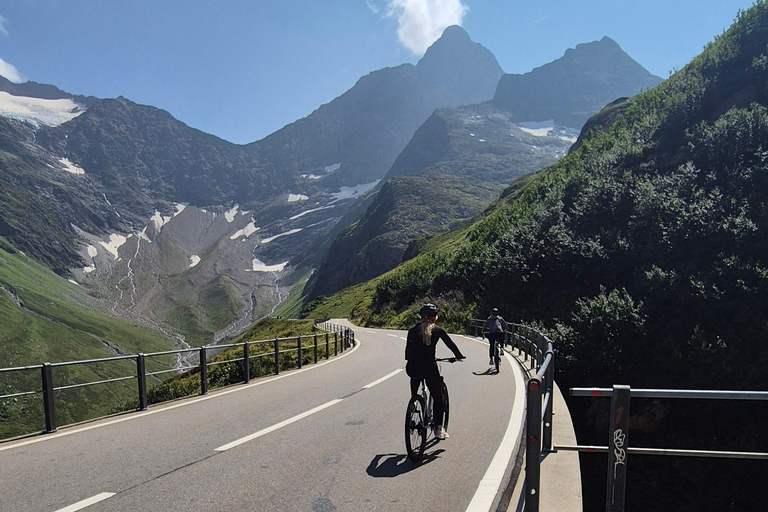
(420, 354)
(495, 327)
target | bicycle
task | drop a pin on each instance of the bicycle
(419, 420)
(498, 349)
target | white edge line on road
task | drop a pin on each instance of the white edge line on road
(489, 485)
(394, 336)
(277, 426)
(382, 379)
(87, 503)
(48, 437)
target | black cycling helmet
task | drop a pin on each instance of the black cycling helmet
(428, 310)
(495, 311)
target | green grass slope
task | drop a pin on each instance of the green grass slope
(45, 318)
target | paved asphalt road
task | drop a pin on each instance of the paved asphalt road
(328, 442)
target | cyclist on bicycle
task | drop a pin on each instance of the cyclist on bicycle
(495, 327)
(420, 354)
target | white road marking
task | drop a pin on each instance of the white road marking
(49, 437)
(277, 426)
(489, 485)
(394, 336)
(382, 379)
(87, 503)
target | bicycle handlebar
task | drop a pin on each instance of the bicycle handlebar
(448, 359)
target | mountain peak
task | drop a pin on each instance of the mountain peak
(575, 86)
(455, 32)
(457, 60)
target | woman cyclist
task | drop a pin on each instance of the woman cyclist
(420, 354)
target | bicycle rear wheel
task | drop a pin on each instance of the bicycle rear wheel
(415, 429)
(445, 406)
(496, 355)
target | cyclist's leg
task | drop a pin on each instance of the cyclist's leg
(435, 385)
(415, 386)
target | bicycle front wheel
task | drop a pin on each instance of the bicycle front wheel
(445, 406)
(497, 356)
(415, 429)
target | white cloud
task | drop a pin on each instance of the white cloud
(3, 23)
(10, 72)
(422, 22)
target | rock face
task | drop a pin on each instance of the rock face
(365, 128)
(458, 161)
(574, 87)
(446, 175)
(94, 188)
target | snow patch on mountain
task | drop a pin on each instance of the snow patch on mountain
(245, 232)
(311, 211)
(230, 215)
(92, 251)
(38, 112)
(260, 266)
(70, 167)
(267, 240)
(292, 198)
(538, 129)
(159, 220)
(194, 260)
(115, 241)
(353, 192)
(333, 167)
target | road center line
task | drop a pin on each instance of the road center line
(382, 379)
(277, 426)
(87, 502)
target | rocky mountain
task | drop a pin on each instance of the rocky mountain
(444, 176)
(360, 133)
(160, 219)
(574, 87)
(457, 163)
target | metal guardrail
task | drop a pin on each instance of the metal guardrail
(343, 338)
(539, 398)
(618, 448)
(539, 419)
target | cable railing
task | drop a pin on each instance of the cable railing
(313, 347)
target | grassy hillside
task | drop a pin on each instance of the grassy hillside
(45, 318)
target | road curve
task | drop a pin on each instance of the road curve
(325, 438)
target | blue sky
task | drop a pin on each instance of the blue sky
(241, 69)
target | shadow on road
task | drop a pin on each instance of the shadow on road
(388, 465)
(489, 371)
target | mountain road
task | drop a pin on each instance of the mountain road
(326, 438)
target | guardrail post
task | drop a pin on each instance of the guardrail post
(277, 356)
(141, 374)
(336, 346)
(327, 349)
(298, 345)
(203, 372)
(48, 399)
(315, 348)
(533, 445)
(549, 385)
(618, 440)
(246, 363)
(525, 345)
